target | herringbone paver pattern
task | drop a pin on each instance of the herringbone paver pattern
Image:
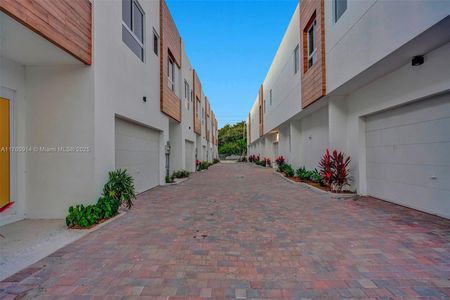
(239, 231)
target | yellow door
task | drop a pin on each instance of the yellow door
(4, 152)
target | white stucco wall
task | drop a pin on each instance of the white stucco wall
(121, 82)
(60, 113)
(254, 121)
(282, 80)
(370, 30)
(404, 85)
(314, 139)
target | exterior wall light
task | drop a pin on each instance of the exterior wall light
(417, 60)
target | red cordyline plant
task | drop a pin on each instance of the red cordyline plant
(251, 158)
(267, 162)
(257, 157)
(326, 169)
(334, 170)
(340, 174)
(280, 160)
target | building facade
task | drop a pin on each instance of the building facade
(87, 87)
(369, 78)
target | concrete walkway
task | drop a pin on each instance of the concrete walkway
(239, 231)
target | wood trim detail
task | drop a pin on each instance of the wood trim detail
(170, 45)
(313, 79)
(197, 91)
(65, 23)
(261, 110)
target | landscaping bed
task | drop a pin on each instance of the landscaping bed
(332, 176)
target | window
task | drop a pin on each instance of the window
(340, 6)
(264, 106)
(155, 42)
(197, 109)
(270, 95)
(296, 62)
(186, 94)
(203, 115)
(133, 27)
(312, 44)
(170, 74)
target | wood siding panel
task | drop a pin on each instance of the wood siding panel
(261, 110)
(65, 23)
(313, 80)
(170, 44)
(197, 90)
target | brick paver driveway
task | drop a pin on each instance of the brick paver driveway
(239, 231)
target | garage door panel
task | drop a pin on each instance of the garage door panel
(407, 174)
(430, 109)
(408, 155)
(432, 131)
(137, 150)
(420, 154)
(436, 201)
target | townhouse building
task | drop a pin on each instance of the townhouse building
(87, 87)
(369, 78)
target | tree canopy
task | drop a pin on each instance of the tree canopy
(233, 139)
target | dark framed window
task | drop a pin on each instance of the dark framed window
(133, 27)
(340, 6)
(170, 74)
(296, 60)
(187, 91)
(270, 96)
(155, 43)
(312, 43)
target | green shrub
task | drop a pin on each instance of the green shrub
(169, 179)
(204, 165)
(83, 216)
(302, 173)
(314, 176)
(260, 163)
(108, 207)
(288, 170)
(180, 174)
(86, 216)
(216, 161)
(120, 186)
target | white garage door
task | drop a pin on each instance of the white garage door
(137, 150)
(408, 155)
(189, 156)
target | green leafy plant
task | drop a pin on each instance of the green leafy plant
(302, 173)
(120, 186)
(288, 170)
(83, 216)
(169, 179)
(204, 165)
(108, 207)
(314, 176)
(216, 161)
(181, 174)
